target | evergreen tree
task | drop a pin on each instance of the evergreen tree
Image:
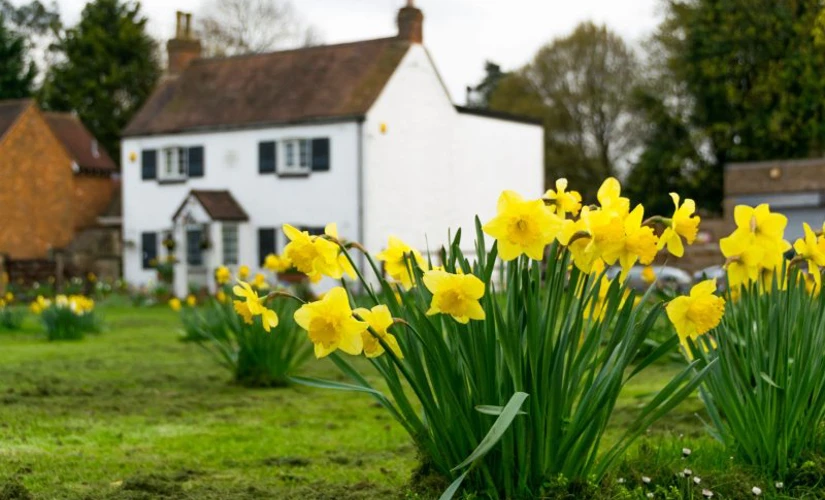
(16, 74)
(109, 69)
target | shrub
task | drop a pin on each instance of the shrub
(504, 386)
(11, 317)
(255, 357)
(67, 317)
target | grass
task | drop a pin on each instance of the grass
(134, 413)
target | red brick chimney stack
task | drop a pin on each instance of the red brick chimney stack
(411, 23)
(184, 47)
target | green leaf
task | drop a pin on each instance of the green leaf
(494, 410)
(328, 384)
(768, 379)
(497, 430)
(453, 488)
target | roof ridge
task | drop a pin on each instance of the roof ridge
(208, 60)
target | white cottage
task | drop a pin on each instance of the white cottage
(363, 134)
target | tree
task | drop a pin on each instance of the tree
(479, 95)
(753, 72)
(231, 27)
(580, 86)
(16, 74)
(108, 70)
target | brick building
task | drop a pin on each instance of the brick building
(795, 188)
(56, 183)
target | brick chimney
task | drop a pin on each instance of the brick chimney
(411, 23)
(184, 47)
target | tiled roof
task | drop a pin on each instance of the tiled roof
(9, 111)
(79, 142)
(314, 83)
(220, 205)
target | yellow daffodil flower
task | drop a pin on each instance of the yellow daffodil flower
(756, 244)
(243, 272)
(174, 304)
(638, 243)
(331, 230)
(455, 294)
(648, 275)
(313, 256)
(395, 262)
(696, 314)
(564, 202)
(379, 319)
(330, 324)
(259, 282)
(191, 300)
(522, 227)
(252, 305)
(683, 224)
(221, 296)
(610, 199)
(9, 297)
(276, 263)
(812, 250)
(222, 275)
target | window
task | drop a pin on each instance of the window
(267, 243)
(313, 230)
(229, 234)
(149, 249)
(149, 162)
(194, 252)
(174, 167)
(297, 157)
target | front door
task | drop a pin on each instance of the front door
(195, 247)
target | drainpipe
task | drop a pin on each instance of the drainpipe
(361, 259)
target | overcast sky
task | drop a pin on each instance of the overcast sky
(460, 34)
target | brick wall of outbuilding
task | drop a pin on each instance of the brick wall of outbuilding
(36, 189)
(92, 195)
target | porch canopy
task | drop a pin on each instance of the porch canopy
(205, 221)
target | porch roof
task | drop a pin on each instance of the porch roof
(219, 204)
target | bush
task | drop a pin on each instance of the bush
(67, 317)
(255, 357)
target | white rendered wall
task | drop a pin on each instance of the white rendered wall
(434, 169)
(231, 162)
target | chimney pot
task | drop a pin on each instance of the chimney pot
(184, 48)
(411, 23)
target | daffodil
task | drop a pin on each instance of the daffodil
(330, 324)
(648, 275)
(610, 199)
(683, 224)
(455, 294)
(397, 259)
(9, 297)
(222, 275)
(812, 250)
(276, 263)
(563, 202)
(313, 256)
(174, 304)
(638, 243)
(221, 296)
(331, 230)
(756, 244)
(259, 282)
(243, 272)
(379, 319)
(696, 314)
(522, 227)
(252, 305)
(191, 300)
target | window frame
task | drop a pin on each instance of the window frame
(299, 151)
(234, 229)
(178, 157)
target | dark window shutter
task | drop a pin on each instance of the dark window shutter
(149, 164)
(320, 155)
(313, 230)
(149, 247)
(196, 161)
(267, 157)
(266, 243)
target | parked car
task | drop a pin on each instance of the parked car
(713, 272)
(667, 277)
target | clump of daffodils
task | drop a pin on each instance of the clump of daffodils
(67, 317)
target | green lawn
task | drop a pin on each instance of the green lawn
(135, 413)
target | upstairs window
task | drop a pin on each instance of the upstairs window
(174, 165)
(297, 157)
(179, 163)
